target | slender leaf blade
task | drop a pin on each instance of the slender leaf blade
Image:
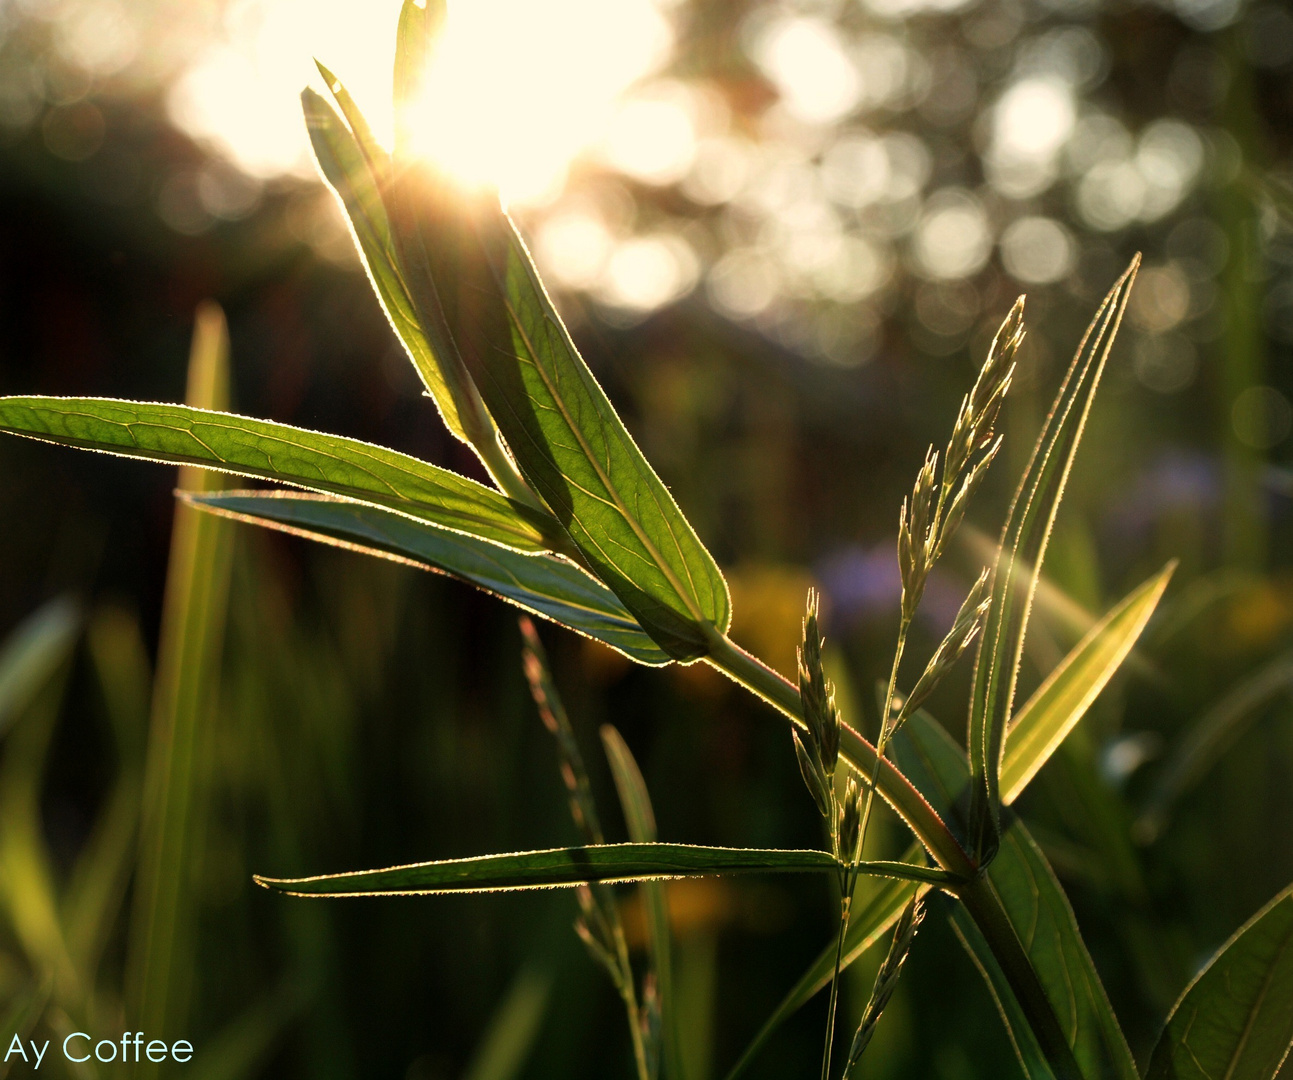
(513, 1029)
(639, 817)
(1235, 1020)
(1031, 1057)
(574, 449)
(1024, 538)
(570, 866)
(347, 168)
(33, 653)
(542, 584)
(184, 435)
(1044, 721)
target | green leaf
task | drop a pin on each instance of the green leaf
(1023, 913)
(543, 584)
(639, 817)
(558, 423)
(347, 169)
(34, 653)
(1024, 539)
(1207, 738)
(1064, 697)
(25, 1008)
(1235, 1020)
(420, 24)
(509, 1039)
(183, 435)
(565, 867)
(868, 926)
(100, 876)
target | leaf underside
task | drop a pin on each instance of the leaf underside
(181, 435)
(545, 585)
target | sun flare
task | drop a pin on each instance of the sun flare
(515, 90)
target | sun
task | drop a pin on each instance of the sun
(514, 92)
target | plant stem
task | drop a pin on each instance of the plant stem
(627, 989)
(892, 785)
(985, 908)
(846, 902)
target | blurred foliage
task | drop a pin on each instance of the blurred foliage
(831, 265)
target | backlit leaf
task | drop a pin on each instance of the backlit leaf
(1235, 1020)
(1024, 539)
(1064, 697)
(566, 867)
(182, 435)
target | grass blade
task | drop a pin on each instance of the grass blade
(1236, 1018)
(101, 873)
(186, 435)
(1044, 721)
(159, 960)
(555, 868)
(867, 928)
(542, 584)
(33, 653)
(1024, 539)
(510, 1037)
(27, 878)
(1207, 738)
(639, 817)
(25, 1008)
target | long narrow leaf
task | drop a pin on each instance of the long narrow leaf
(101, 874)
(183, 435)
(1235, 1020)
(1024, 538)
(509, 1039)
(33, 653)
(543, 584)
(566, 867)
(345, 167)
(1062, 700)
(639, 817)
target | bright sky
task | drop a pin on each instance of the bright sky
(517, 89)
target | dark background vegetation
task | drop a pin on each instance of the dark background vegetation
(372, 714)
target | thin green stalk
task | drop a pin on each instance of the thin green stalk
(893, 786)
(629, 993)
(989, 915)
(832, 1007)
(158, 956)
